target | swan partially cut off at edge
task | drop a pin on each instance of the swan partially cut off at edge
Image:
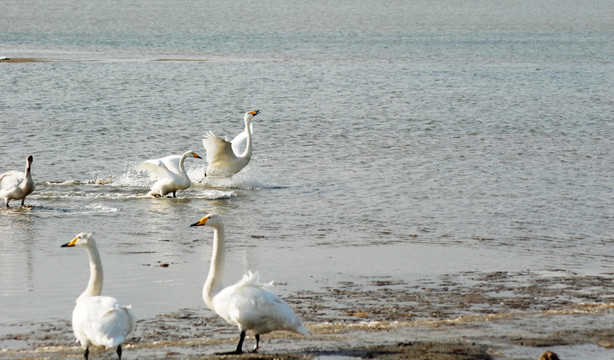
(98, 320)
(223, 156)
(16, 185)
(246, 304)
(169, 173)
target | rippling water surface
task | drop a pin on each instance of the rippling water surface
(398, 140)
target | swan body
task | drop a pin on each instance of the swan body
(169, 173)
(247, 304)
(16, 185)
(98, 320)
(223, 156)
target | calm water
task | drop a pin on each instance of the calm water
(397, 139)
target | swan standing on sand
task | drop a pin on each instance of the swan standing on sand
(16, 185)
(223, 160)
(245, 304)
(98, 320)
(169, 172)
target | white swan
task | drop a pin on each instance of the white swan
(169, 173)
(245, 304)
(222, 155)
(98, 320)
(16, 185)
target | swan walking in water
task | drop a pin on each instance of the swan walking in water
(246, 304)
(16, 185)
(169, 173)
(98, 320)
(223, 156)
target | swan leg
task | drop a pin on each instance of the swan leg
(119, 352)
(86, 353)
(174, 195)
(22, 204)
(239, 349)
(255, 349)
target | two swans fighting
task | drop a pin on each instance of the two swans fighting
(16, 185)
(98, 320)
(224, 157)
(247, 304)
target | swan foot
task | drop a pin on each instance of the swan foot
(119, 352)
(86, 353)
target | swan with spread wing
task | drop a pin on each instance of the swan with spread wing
(224, 157)
(169, 173)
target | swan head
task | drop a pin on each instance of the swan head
(82, 240)
(193, 154)
(210, 220)
(29, 159)
(250, 115)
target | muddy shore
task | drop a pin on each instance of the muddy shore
(501, 316)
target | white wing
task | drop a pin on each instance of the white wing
(155, 168)
(250, 306)
(11, 179)
(219, 151)
(172, 163)
(102, 320)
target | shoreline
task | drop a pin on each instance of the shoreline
(199, 334)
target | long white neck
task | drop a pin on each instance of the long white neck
(181, 169)
(247, 154)
(213, 284)
(94, 285)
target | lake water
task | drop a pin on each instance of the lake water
(402, 141)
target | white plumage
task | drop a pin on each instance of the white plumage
(169, 173)
(16, 185)
(246, 304)
(223, 156)
(98, 320)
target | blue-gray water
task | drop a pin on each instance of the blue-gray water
(397, 139)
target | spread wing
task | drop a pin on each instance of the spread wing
(155, 168)
(219, 151)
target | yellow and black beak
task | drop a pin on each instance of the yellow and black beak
(201, 222)
(254, 113)
(196, 155)
(71, 242)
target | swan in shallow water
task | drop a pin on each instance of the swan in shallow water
(16, 185)
(223, 156)
(98, 320)
(246, 304)
(169, 173)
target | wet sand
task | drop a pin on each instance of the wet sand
(501, 316)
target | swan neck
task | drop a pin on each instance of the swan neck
(248, 149)
(181, 169)
(213, 284)
(94, 285)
